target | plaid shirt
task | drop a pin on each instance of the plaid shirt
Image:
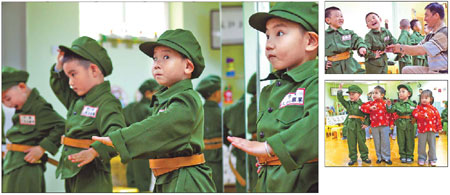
(435, 44)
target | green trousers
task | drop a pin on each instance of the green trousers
(89, 179)
(356, 138)
(348, 66)
(25, 179)
(275, 179)
(139, 174)
(217, 174)
(241, 169)
(371, 69)
(196, 178)
(252, 172)
(405, 138)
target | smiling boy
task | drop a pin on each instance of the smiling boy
(287, 124)
(77, 79)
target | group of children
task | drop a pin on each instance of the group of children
(381, 114)
(340, 43)
(171, 136)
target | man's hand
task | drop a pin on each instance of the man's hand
(83, 157)
(34, 154)
(253, 148)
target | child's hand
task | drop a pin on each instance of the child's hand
(85, 156)
(59, 65)
(377, 54)
(340, 86)
(105, 140)
(373, 108)
(392, 126)
(253, 148)
(364, 126)
(393, 48)
(388, 102)
(328, 65)
(34, 154)
(362, 51)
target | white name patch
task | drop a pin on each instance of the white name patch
(162, 110)
(346, 37)
(296, 98)
(89, 111)
(27, 119)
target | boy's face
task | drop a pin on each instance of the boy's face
(14, 97)
(169, 66)
(377, 95)
(354, 96)
(403, 94)
(336, 19)
(81, 79)
(425, 100)
(373, 21)
(417, 27)
(285, 45)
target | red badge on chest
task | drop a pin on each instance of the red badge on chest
(27, 119)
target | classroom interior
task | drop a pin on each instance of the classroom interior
(32, 32)
(336, 147)
(390, 12)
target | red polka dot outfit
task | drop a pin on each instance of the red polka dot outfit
(428, 118)
(379, 116)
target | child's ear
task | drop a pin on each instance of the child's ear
(313, 41)
(22, 85)
(189, 67)
(327, 20)
(95, 70)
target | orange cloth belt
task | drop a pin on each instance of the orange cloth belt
(77, 143)
(165, 165)
(405, 117)
(22, 148)
(354, 116)
(213, 143)
(339, 57)
(274, 160)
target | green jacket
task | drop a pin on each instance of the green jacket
(137, 111)
(251, 116)
(404, 39)
(416, 38)
(233, 120)
(402, 108)
(175, 129)
(288, 121)
(213, 129)
(353, 109)
(444, 115)
(36, 124)
(80, 124)
(339, 41)
(378, 40)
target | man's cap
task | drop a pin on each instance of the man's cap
(209, 85)
(304, 13)
(12, 76)
(251, 86)
(148, 85)
(354, 88)
(91, 50)
(182, 41)
(407, 87)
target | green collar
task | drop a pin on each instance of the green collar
(97, 91)
(329, 29)
(376, 31)
(34, 94)
(407, 101)
(166, 93)
(405, 32)
(145, 100)
(298, 74)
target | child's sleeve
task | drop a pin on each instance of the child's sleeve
(59, 83)
(392, 39)
(366, 107)
(165, 132)
(418, 114)
(392, 108)
(357, 42)
(51, 124)
(299, 143)
(342, 100)
(368, 42)
(438, 120)
(110, 119)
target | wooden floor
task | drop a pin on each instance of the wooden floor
(336, 153)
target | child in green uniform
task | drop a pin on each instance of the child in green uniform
(444, 118)
(209, 88)
(376, 40)
(404, 39)
(339, 44)
(138, 173)
(77, 79)
(251, 128)
(416, 38)
(36, 128)
(172, 138)
(287, 124)
(356, 123)
(405, 127)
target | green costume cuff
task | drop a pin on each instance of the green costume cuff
(119, 144)
(54, 73)
(49, 146)
(103, 150)
(282, 152)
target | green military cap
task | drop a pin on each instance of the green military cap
(209, 85)
(354, 88)
(89, 49)
(407, 87)
(148, 85)
(304, 13)
(12, 76)
(182, 41)
(251, 86)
